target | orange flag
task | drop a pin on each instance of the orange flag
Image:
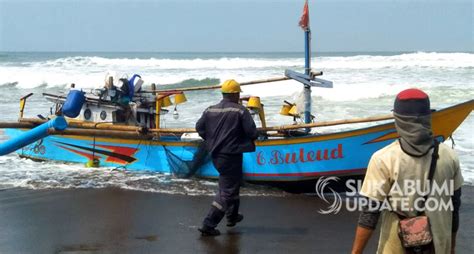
(304, 20)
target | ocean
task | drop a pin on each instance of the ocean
(365, 84)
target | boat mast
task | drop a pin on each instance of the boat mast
(308, 78)
(307, 70)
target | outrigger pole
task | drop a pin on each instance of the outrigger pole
(134, 132)
(198, 88)
(33, 135)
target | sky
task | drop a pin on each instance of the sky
(235, 25)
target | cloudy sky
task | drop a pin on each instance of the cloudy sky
(235, 25)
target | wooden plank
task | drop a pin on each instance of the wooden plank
(14, 125)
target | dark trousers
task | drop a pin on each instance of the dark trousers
(227, 201)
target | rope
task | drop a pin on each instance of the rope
(453, 144)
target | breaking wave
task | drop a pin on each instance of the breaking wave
(420, 59)
(89, 71)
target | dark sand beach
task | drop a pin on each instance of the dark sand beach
(121, 221)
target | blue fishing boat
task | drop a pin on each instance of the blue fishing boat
(275, 159)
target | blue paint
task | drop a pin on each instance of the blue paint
(73, 104)
(336, 156)
(307, 51)
(33, 135)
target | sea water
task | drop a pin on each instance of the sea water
(365, 84)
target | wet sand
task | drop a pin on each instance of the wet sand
(121, 221)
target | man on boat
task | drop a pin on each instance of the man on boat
(228, 131)
(407, 161)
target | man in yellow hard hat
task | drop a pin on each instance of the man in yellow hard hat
(228, 131)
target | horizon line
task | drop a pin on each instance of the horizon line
(243, 52)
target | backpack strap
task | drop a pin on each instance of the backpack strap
(434, 160)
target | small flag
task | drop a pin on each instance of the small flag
(304, 20)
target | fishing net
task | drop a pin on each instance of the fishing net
(187, 168)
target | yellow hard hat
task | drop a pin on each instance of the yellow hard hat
(230, 86)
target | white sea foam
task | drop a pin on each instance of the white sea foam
(90, 71)
(47, 175)
(420, 59)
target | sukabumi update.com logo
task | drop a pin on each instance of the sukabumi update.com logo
(404, 195)
(323, 191)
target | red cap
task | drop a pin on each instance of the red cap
(412, 102)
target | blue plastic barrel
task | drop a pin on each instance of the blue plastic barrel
(73, 104)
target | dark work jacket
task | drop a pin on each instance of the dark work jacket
(227, 127)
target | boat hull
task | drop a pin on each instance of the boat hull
(282, 159)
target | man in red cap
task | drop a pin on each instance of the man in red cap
(409, 159)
